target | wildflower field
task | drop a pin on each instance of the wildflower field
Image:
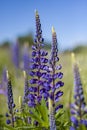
(42, 89)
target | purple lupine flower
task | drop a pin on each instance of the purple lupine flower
(8, 121)
(26, 58)
(11, 104)
(38, 66)
(78, 108)
(55, 94)
(16, 54)
(58, 107)
(55, 84)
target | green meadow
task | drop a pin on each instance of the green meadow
(17, 79)
(65, 61)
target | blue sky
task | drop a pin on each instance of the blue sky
(69, 17)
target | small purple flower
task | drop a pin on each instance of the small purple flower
(59, 84)
(58, 95)
(34, 66)
(35, 123)
(32, 89)
(74, 120)
(34, 53)
(58, 107)
(58, 67)
(31, 97)
(7, 115)
(8, 121)
(33, 81)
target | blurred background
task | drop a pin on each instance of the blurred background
(17, 25)
(68, 17)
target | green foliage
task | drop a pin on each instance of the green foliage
(61, 121)
(39, 113)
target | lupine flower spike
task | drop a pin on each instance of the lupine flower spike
(38, 66)
(55, 93)
(55, 85)
(11, 104)
(78, 108)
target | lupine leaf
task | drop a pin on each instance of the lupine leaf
(59, 114)
(44, 112)
(35, 116)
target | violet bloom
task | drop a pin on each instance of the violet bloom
(38, 66)
(15, 54)
(11, 104)
(55, 74)
(78, 108)
(55, 81)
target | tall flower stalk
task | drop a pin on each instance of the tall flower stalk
(38, 65)
(11, 104)
(55, 93)
(78, 108)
